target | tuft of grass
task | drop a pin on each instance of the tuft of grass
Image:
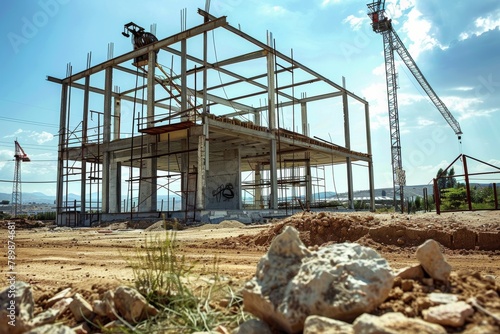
(187, 302)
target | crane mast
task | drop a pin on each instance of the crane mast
(383, 25)
(20, 156)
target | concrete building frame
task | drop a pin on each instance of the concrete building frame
(200, 123)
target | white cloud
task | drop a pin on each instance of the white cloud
(418, 31)
(482, 25)
(467, 107)
(41, 137)
(6, 157)
(422, 122)
(355, 22)
(15, 134)
(329, 2)
(271, 10)
(396, 8)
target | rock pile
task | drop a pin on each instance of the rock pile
(349, 288)
(123, 305)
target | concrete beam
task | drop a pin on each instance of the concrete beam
(213, 24)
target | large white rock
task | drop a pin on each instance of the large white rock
(338, 281)
(432, 260)
(16, 307)
(394, 323)
(453, 314)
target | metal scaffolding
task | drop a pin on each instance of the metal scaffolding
(197, 126)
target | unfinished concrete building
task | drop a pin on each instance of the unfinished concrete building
(202, 125)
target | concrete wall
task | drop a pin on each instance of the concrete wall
(223, 182)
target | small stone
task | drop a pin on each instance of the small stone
(491, 294)
(58, 296)
(82, 328)
(453, 314)
(132, 305)
(81, 309)
(316, 324)
(45, 317)
(392, 323)
(253, 326)
(442, 298)
(428, 281)
(51, 329)
(432, 260)
(62, 305)
(415, 272)
(407, 285)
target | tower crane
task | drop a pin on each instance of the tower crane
(381, 24)
(20, 156)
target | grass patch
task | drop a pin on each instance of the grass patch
(187, 302)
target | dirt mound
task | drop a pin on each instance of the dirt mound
(21, 223)
(222, 224)
(318, 228)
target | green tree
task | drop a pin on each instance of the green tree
(441, 178)
(453, 198)
(451, 182)
(418, 203)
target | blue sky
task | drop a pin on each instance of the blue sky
(455, 44)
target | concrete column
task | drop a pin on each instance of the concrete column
(184, 95)
(147, 184)
(116, 118)
(60, 162)
(347, 134)
(83, 180)
(106, 161)
(258, 187)
(115, 187)
(303, 110)
(309, 190)
(271, 94)
(370, 162)
(272, 125)
(184, 169)
(274, 176)
(201, 179)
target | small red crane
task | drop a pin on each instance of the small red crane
(20, 156)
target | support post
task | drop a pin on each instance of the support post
(60, 162)
(258, 186)
(309, 188)
(201, 179)
(83, 171)
(371, 178)
(467, 183)
(147, 184)
(271, 98)
(106, 159)
(272, 125)
(437, 199)
(347, 135)
(274, 176)
(115, 187)
(495, 195)
(184, 95)
(116, 118)
(303, 110)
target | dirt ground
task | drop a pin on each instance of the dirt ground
(52, 258)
